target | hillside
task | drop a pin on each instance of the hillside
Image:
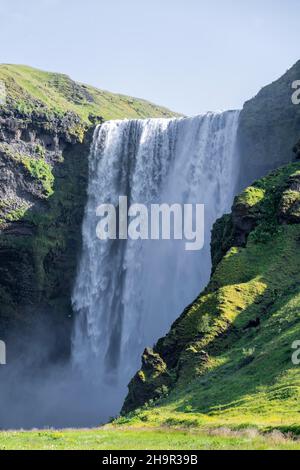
(227, 361)
(31, 89)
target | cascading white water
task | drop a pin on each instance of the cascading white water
(128, 293)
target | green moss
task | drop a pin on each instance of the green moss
(251, 196)
(40, 151)
(290, 204)
(11, 211)
(15, 215)
(8, 150)
(290, 197)
(40, 170)
(37, 167)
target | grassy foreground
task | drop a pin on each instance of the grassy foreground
(119, 438)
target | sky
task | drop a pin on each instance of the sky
(189, 55)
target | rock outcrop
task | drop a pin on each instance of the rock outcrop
(269, 128)
(153, 380)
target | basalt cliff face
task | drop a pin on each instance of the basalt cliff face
(42, 197)
(46, 127)
(269, 127)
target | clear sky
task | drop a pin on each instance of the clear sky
(189, 55)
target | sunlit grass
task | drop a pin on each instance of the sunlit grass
(31, 87)
(145, 439)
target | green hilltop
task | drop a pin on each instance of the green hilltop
(31, 89)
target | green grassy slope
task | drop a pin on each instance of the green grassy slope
(227, 360)
(144, 439)
(36, 90)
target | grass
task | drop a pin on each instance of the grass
(145, 439)
(32, 90)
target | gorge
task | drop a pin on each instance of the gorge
(76, 313)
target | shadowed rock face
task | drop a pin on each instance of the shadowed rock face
(289, 206)
(152, 381)
(297, 150)
(269, 128)
(43, 183)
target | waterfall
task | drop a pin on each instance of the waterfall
(127, 293)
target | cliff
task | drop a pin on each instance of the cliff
(228, 358)
(46, 126)
(269, 127)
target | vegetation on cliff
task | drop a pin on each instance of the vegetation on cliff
(228, 359)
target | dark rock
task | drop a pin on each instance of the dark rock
(289, 206)
(151, 382)
(269, 127)
(40, 235)
(253, 324)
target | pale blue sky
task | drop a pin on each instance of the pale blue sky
(189, 55)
